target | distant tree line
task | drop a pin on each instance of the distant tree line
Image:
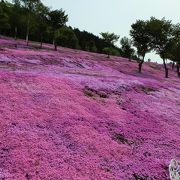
(31, 19)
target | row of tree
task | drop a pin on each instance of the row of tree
(32, 19)
(158, 35)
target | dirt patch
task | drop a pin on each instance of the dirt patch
(49, 61)
(4, 64)
(139, 177)
(95, 93)
(144, 89)
(156, 67)
(120, 138)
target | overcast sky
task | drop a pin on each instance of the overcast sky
(114, 15)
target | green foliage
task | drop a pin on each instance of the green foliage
(4, 18)
(174, 49)
(57, 19)
(160, 32)
(29, 4)
(109, 38)
(4, 22)
(42, 20)
(67, 38)
(91, 46)
(86, 40)
(106, 50)
(140, 37)
(114, 52)
(31, 18)
(141, 40)
(126, 47)
(15, 16)
(111, 51)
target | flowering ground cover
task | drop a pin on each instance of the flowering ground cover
(75, 115)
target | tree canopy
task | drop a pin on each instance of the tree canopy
(140, 39)
(109, 39)
(160, 31)
(126, 47)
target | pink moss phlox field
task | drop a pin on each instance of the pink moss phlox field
(77, 115)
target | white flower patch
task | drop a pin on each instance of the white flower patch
(4, 58)
(174, 170)
(4, 174)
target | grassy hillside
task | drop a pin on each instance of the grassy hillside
(76, 115)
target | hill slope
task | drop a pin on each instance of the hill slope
(78, 115)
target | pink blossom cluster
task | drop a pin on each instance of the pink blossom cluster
(77, 115)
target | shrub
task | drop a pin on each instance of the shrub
(67, 38)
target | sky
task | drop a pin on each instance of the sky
(115, 15)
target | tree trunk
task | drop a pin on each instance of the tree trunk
(55, 46)
(178, 70)
(166, 69)
(54, 43)
(15, 33)
(108, 52)
(41, 45)
(173, 64)
(15, 36)
(27, 39)
(27, 32)
(41, 42)
(140, 67)
(140, 64)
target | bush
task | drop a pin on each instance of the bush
(67, 38)
(111, 51)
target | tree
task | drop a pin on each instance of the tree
(111, 51)
(15, 16)
(110, 39)
(85, 38)
(29, 5)
(57, 20)
(126, 47)
(176, 55)
(4, 22)
(173, 52)
(42, 20)
(160, 34)
(67, 38)
(4, 18)
(141, 40)
(176, 47)
(92, 46)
